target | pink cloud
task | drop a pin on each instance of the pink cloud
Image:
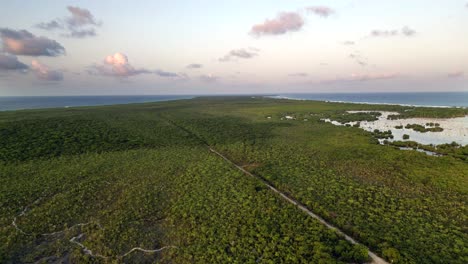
(322, 11)
(43, 72)
(457, 74)
(283, 23)
(22, 42)
(117, 65)
(240, 53)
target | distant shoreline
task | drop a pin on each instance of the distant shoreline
(411, 99)
(367, 103)
(455, 99)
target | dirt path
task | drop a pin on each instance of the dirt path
(89, 252)
(375, 259)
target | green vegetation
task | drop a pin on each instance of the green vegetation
(429, 112)
(423, 129)
(405, 136)
(142, 176)
(382, 134)
(345, 117)
(432, 124)
(453, 149)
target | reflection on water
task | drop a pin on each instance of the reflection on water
(430, 153)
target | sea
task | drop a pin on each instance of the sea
(37, 102)
(439, 99)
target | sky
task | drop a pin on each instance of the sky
(232, 47)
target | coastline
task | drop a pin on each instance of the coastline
(280, 97)
(25, 103)
(19, 103)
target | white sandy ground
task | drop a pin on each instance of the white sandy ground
(455, 129)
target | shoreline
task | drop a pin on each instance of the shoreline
(49, 107)
(280, 97)
(189, 97)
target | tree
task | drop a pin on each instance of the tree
(391, 254)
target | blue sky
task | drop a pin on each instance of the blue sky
(145, 47)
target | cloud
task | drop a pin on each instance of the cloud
(408, 31)
(22, 42)
(80, 24)
(299, 74)
(348, 43)
(322, 11)
(371, 77)
(44, 73)
(116, 65)
(358, 58)
(81, 33)
(283, 23)
(405, 31)
(54, 24)
(208, 78)
(194, 66)
(384, 33)
(167, 74)
(358, 77)
(11, 62)
(80, 17)
(240, 53)
(457, 74)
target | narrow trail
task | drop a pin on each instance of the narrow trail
(76, 239)
(375, 258)
(89, 252)
(146, 250)
(86, 250)
(23, 212)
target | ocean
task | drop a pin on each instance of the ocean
(439, 99)
(448, 99)
(36, 102)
